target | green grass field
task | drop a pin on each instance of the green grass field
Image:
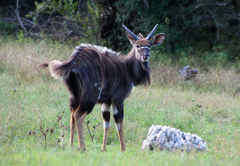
(30, 98)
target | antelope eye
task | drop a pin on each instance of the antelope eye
(137, 46)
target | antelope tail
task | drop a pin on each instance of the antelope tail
(43, 66)
(57, 69)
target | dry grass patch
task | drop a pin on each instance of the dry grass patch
(20, 58)
(212, 80)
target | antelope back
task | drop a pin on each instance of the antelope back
(142, 45)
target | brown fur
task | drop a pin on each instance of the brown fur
(98, 75)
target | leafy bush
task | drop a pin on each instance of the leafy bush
(6, 28)
(62, 21)
(191, 27)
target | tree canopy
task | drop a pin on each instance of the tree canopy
(190, 25)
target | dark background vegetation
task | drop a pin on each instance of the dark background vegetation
(192, 27)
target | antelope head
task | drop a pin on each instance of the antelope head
(142, 45)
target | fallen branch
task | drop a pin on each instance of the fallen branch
(17, 13)
(215, 21)
(201, 5)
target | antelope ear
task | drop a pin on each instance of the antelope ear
(158, 39)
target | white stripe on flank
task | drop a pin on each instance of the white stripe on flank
(100, 93)
(132, 85)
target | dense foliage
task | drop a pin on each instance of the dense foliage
(192, 26)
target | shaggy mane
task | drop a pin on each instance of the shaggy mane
(102, 50)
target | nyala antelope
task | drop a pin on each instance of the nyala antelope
(96, 74)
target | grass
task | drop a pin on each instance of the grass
(30, 98)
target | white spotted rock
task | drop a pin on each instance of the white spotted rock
(167, 138)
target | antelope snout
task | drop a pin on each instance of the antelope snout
(145, 57)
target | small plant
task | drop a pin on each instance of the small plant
(197, 108)
(20, 36)
(63, 130)
(94, 126)
(44, 134)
